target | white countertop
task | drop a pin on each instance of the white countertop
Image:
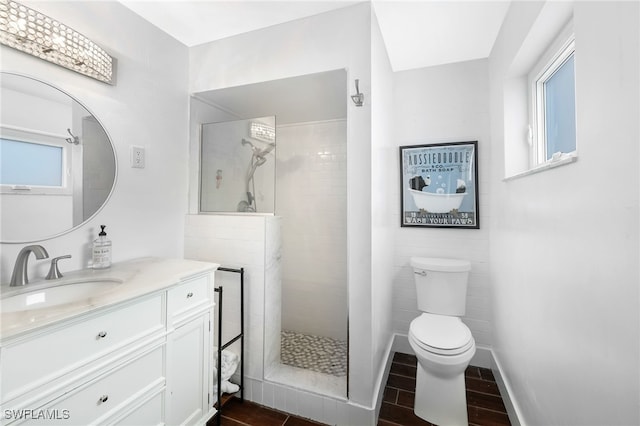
(138, 277)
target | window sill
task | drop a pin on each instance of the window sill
(568, 159)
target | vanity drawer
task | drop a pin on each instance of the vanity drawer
(105, 396)
(187, 296)
(40, 358)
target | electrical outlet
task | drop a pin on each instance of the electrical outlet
(137, 157)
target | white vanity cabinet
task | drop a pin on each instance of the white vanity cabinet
(189, 356)
(145, 360)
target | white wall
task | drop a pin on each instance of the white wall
(311, 188)
(564, 242)
(383, 159)
(146, 107)
(445, 103)
(333, 40)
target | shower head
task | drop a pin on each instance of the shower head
(257, 151)
(268, 149)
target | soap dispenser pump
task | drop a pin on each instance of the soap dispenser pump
(101, 250)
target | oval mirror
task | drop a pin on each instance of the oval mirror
(57, 164)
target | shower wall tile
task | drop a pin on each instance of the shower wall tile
(311, 178)
(254, 345)
(306, 404)
(257, 391)
(235, 241)
(232, 253)
(247, 390)
(273, 311)
(313, 406)
(268, 394)
(272, 293)
(342, 415)
(279, 400)
(301, 298)
(273, 240)
(329, 411)
(225, 227)
(358, 416)
(291, 401)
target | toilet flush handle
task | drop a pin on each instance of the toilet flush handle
(423, 273)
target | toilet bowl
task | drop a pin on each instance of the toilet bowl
(444, 347)
(443, 344)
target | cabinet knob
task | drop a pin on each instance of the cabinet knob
(102, 335)
(190, 294)
(103, 399)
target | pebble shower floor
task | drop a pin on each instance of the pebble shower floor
(315, 353)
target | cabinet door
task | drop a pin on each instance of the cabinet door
(188, 361)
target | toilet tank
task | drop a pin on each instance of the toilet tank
(441, 284)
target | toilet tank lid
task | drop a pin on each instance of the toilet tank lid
(440, 264)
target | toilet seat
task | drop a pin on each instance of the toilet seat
(441, 334)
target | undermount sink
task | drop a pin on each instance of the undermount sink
(56, 295)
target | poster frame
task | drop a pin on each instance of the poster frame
(453, 218)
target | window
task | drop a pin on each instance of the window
(553, 106)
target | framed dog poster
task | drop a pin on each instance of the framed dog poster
(439, 185)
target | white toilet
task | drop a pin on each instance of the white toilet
(442, 343)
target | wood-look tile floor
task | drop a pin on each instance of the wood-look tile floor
(247, 413)
(484, 404)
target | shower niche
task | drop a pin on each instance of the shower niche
(237, 164)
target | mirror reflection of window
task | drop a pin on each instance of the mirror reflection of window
(26, 163)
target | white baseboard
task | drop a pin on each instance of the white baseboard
(401, 344)
(483, 357)
(383, 377)
(514, 413)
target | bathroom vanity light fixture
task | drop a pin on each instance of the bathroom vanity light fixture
(358, 98)
(32, 32)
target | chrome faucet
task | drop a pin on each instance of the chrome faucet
(19, 276)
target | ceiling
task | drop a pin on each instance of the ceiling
(417, 33)
(312, 97)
